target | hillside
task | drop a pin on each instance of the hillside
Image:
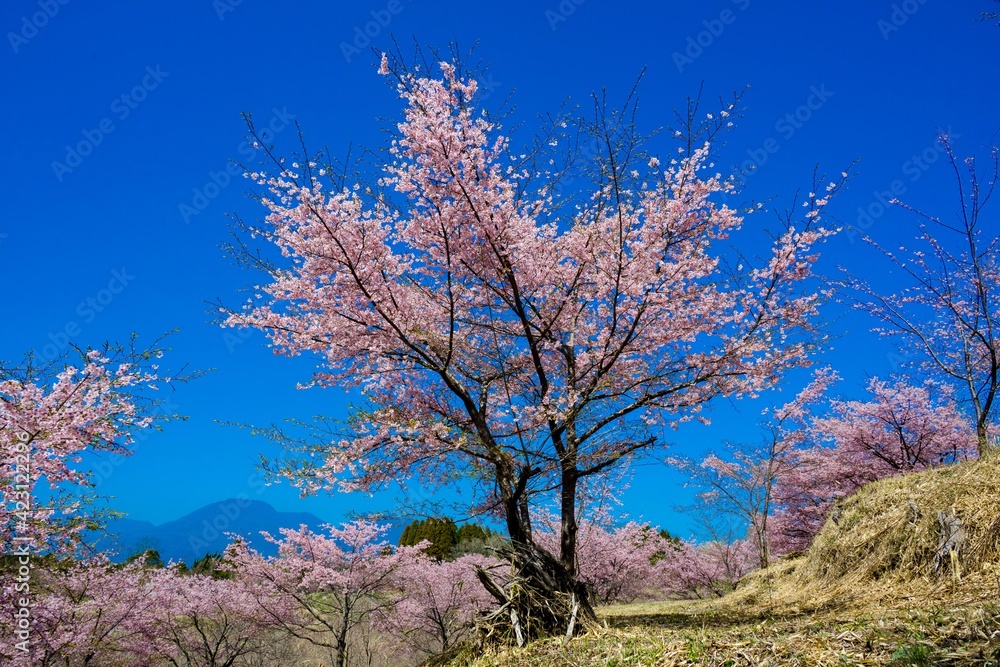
(865, 594)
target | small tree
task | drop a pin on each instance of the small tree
(670, 539)
(950, 313)
(440, 535)
(620, 564)
(437, 602)
(51, 418)
(146, 558)
(96, 613)
(711, 568)
(742, 485)
(92, 613)
(900, 429)
(211, 565)
(473, 531)
(206, 621)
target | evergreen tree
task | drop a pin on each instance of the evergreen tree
(442, 533)
(209, 565)
(471, 531)
(149, 558)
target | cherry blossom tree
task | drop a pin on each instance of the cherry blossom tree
(901, 428)
(623, 563)
(91, 613)
(710, 568)
(96, 613)
(437, 602)
(50, 420)
(742, 484)
(950, 312)
(204, 621)
(500, 336)
(616, 563)
(620, 565)
(333, 582)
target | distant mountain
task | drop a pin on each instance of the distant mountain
(202, 531)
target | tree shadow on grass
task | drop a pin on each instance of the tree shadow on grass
(716, 619)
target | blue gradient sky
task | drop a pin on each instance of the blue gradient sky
(892, 76)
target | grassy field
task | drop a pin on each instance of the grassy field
(727, 634)
(866, 593)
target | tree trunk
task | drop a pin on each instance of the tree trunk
(763, 548)
(983, 437)
(342, 635)
(515, 525)
(544, 597)
(568, 527)
(513, 498)
(541, 600)
(525, 517)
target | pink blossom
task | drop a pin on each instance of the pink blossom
(46, 426)
(902, 428)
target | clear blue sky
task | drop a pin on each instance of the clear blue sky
(890, 78)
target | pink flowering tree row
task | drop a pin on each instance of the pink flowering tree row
(436, 602)
(350, 578)
(633, 561)
(900, 428)
(98, 613)
(817, 450)
(336, 581)
(332, 590)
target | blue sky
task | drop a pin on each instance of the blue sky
(101, 244)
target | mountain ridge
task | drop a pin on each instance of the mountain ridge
(202, 531)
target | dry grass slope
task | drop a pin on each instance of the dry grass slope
(865, 594)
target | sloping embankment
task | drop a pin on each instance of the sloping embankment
(872, 590)
(930, 535)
